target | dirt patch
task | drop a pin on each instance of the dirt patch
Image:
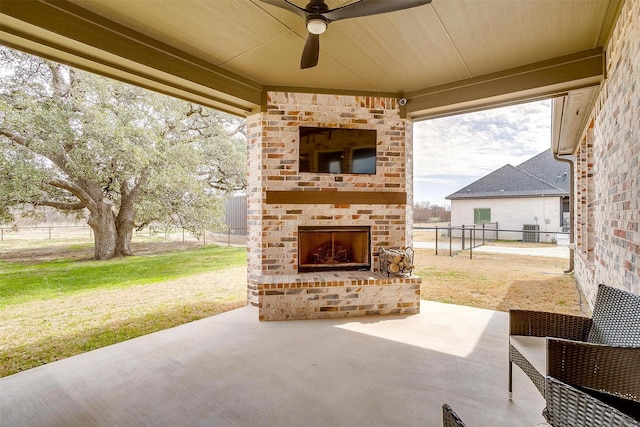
(25, 252)
(500, 282)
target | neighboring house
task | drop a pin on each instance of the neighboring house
(531, 196)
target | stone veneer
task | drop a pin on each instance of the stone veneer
(274, 284)
(607, 170)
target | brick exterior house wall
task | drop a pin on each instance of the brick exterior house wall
(607, 170)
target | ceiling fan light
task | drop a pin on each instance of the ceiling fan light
(316, 26)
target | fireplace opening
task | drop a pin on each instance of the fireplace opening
(333, 248)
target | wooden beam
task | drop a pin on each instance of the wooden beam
(336, 197)
(124, 50)
(540, 80)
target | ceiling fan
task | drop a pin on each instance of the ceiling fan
(318, 16)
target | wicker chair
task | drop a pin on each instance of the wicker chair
(450, 418)
(571, 407)
(601, 353)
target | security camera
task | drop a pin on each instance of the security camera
(403, 101)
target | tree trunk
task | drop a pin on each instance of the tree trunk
(103, 224)
(124, 220)
(123, 238)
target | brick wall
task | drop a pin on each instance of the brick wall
(607, 173)
(273, 167)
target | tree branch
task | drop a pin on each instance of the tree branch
(74, 189)
(238, 130)
(14, 138)
(66, 206)
(60, 90)
(58, 160)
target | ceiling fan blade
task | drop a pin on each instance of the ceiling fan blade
(318, 9)
(311, 52)
(287, 5)
(371, 7)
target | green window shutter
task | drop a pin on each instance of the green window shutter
(481, 216)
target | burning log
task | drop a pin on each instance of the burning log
(330, 254)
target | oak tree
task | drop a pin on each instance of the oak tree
(126, 156)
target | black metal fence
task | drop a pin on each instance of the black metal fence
(450, 240)
(230, 236)
(463, 237)
(453, 240)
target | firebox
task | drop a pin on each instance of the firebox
(334, 248)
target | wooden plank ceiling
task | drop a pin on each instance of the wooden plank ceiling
(446, 57)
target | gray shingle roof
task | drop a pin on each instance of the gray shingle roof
(538, 176)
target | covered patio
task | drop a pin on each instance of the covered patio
(377, 72)
(442, 58)
(231, 370)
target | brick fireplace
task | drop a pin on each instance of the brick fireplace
(333, 248)
(314, 236)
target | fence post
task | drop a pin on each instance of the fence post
(463, 237)
(204, 238)
(483, 242)
(450, 241)
(436, 240)
(471, 236)
(474, 237)
(182, 234)
(1, 234)
(228, 237)
(497, 230)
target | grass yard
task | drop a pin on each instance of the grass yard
(28, 281)
(61, 307)
(56, 302)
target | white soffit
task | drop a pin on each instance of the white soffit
(570, 115)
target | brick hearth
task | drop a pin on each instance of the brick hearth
(281, 199)
(336, 294)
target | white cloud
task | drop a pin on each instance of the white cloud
(452, 152)
(441, 180)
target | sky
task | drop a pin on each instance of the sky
(452, 152)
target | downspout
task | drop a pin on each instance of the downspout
(571, 209)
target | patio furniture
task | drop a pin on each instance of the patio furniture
(601, 353)
(450, 418)
(568, 406)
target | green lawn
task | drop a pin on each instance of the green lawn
(23, 282)
(50, 310)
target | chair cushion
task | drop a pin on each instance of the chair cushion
(534, 349)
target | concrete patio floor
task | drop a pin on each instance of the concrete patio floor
(231, 370)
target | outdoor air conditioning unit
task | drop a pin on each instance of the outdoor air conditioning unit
(530, 233)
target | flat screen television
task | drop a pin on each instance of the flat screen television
(337, 150)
